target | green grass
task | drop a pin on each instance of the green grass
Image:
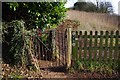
(93, 66)
(14, 76)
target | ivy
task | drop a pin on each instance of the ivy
(16, 41)
(22, 21)
(43, 15)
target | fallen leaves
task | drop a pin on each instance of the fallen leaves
(18, 72)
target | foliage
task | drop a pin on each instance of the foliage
(17, 73)
(15, 41)
(93, 66)
(16, 34)
(90, 7)
(41, 15)
(85, 6)
(105, 7)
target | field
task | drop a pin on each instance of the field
(94, 21)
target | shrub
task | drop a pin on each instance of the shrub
(41, 15)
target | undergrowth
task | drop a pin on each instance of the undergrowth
(93, 66)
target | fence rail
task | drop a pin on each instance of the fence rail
(67, 47)
(104, 46)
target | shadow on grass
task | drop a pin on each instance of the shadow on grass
(55, 69)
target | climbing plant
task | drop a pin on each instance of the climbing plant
(41, 15)
(22, 21)
(15, 42)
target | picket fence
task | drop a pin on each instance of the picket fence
(98, 46)
(86, 46)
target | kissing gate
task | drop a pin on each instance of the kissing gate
(51, 49)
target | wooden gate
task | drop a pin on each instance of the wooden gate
(50, 49)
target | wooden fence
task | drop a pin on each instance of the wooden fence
(103, 46)
(70, 46)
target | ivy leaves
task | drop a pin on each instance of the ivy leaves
(42, 14)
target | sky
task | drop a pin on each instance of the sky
(70, 3)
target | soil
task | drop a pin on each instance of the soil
(60, 72)
(53, 72)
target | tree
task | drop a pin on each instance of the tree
(105, 7)
(36, 14)
(85, 6)
(79, 6)
(101, 7)
(21, 21)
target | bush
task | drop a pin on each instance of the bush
(15, 42)
(92, 66)
(41, 15)
(22, 21)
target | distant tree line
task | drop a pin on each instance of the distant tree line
(101, 7)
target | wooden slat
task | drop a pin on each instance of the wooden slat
(76, 42)
(101, 46)
(116, 47)
(56, 47)
(85, 45)
(90, 50)
(66, 45)
(95, 45)
(106, 45)
(80, 45)
(104, 36)
(59, 47)
(63, 51)
(111, 47)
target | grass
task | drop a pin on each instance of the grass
(14, 75)
(94, 21)
(92, 66)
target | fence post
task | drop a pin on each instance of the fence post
(69, 51)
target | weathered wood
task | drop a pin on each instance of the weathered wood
(104, 42)
(53, 44)
(106, 46)
(80, 45)
(85, 45)
(116, 50)
(90, 50)
(95, 45)
(117, 45)
(111, 47)
(59, 50)
(101, 46)
(69, 51)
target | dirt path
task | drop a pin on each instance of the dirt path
(49, 69)
(54, 75)
(52, 72)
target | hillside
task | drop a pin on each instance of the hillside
(94, 21)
